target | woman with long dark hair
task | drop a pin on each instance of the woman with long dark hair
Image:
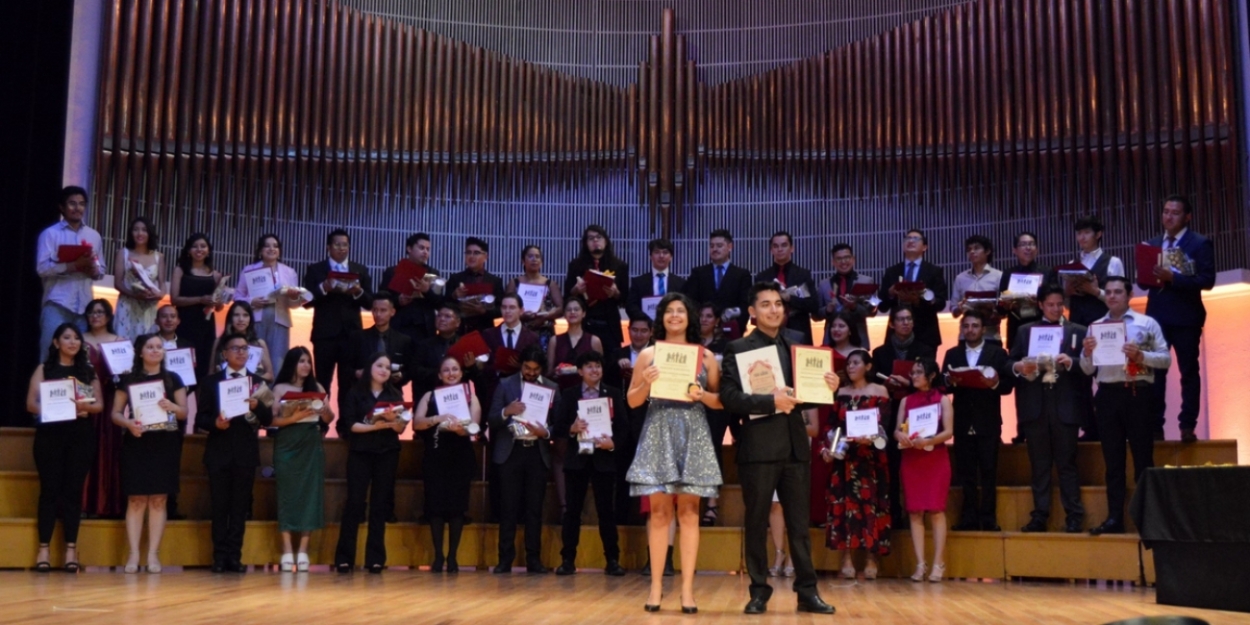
(299, 459)
(603, 316)
(239, 319)
(191, 291)
(103, 496)
(139, 277)
(151, 454)
(543, 321)
(926, 468)
(675, 465)
(64, 449)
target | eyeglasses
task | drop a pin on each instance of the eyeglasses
(238, 349)
(912, 238)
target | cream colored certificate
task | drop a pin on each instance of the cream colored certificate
(679, 366)
(810, 366)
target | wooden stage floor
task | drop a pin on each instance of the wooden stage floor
(419, 597)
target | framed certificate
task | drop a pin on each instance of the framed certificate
(537, 399)
(923, 422)
(532, 296)
(810, 365)
(1111, 336)
(145, 399)
(650, 304)
(260, 282)
(1025, 283)
(597, 413)
(863, 423)
(1046, 340)
(119, 356)
(182, 362)
(57, 401)
(760, 372)
(454, 400)
(232, 396)
(679, 367)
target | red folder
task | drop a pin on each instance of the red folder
(406, 273)
(906, 285)
(968, 378)
(1147, 258)
(597, 285)
(471, 345)
(478, 288)
(866, 289)
(903, 368)
(507, 361)
(71, 253)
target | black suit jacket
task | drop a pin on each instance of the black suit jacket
(604, 461)
(235, 446)
(778, 437)
(487, 319)
(399, 349)
(1029, 395)
(701, 287)
(508, 391)
(643, 285)
(1180, 303)
(487, 375)
(417, 318)
(336, 315)
(924, 312)
(980, 409)
(799, 310)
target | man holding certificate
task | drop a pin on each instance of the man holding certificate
(1123, 350)
(68, 260)
(340, 290)
(227, 411)
(587, 414)
(1043, 354)
(774, 453)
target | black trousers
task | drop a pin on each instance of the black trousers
(171, 500)
(331, 354)
(230, 490)
(1085, 403)
(718, 421)
(1124, 413)
(575, 485)
(792, 481)
(976, 471)
(1184, 340)
(1052, 443)
(370, 475)
(523, 485)
(64, 454)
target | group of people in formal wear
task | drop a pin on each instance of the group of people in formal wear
(797, 463)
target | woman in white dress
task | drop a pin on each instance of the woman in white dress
(139, 276)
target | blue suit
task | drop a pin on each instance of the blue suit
(1178, 308)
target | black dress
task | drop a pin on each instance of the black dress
(448, 465)
(151, 463)
(201, 332)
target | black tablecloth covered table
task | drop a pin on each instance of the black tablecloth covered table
(1197, 522)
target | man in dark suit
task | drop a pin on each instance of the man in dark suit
(597, 465)
(925, 304)
(384, 337)
(231, 454)
(722, 283)
(774, 454)
(521, 455)
(336, 308)
(978, 423)
(656, 282)
(475, 312)
(415, 316)
(1177, 306)
(797, 289)
(618, 372)
(833, 295)
(1047, 409)
(603, 317)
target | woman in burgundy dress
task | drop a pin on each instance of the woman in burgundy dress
(926, 467)
(858, 488)
(103, 496)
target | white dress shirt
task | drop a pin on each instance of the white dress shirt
(61, 284)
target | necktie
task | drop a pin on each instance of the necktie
(1171, 242)
(781, 276)
(509, 339)
(660, 289)
(720, 273)
(381, 346)
(911, 271)
(236, 375)
(842, 285)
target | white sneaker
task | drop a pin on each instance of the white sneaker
(301, 563)
(287, 563)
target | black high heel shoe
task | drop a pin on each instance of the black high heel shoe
(652, 607)
(689, 610)
(437, 565)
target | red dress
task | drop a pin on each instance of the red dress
(858, 490)
(925, 475)
(103, 494)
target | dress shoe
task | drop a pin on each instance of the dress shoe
(651, 607)
(691, 609)
(566, 568)
(1110, 526)
(814, 604)
(1035, 525)
(219, 567)
(1158, 436)
(536, 569)
(757, 605)
(236, 567)
(376, 569)
(343, 568)
(614, 569)
(1188, 436)
(991, 527)
(452, 565)
(966, 526)
(501, 569)
(437, 565)
(1018, 440)
(1073, 526)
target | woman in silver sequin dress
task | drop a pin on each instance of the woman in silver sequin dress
(675, 458)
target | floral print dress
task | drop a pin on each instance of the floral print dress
(859, 486)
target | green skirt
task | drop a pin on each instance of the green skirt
(299, 464)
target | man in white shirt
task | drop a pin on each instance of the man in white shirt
(67, 285)
(1126, 400)
(980, 278)
(1085, 298)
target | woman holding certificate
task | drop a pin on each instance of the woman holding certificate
(568, 346)
(675, 457)
(858, 488)
(191, 289)
(103, 495)
(151, 448)
(239, 319)
(445, 418)
(540, 295)
(139, 276)
(299, 460)
(271, 287)
(64, 439)
(371, 424)
(926, 421)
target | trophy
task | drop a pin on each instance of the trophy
(837, 444)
